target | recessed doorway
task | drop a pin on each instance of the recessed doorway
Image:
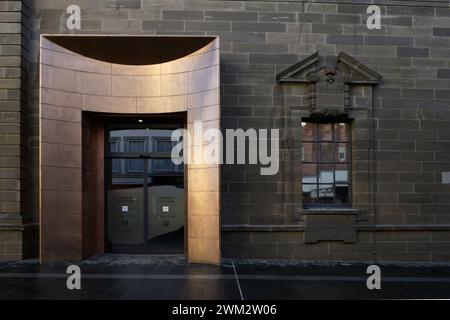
(145, 190)
(73, 178)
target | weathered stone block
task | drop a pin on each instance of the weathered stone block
(441, 32)
(231, 16)
(413, 52)
(330, 227)
(345, 39)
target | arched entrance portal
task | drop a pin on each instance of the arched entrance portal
(92, 100)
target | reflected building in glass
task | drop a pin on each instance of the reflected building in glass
(326, 163)
(145, 196)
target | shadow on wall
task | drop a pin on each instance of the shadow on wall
(132, 50)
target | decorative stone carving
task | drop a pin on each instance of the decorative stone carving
(329, 93)
(330, 85)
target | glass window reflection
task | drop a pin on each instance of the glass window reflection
(326, 173)
(342, 152)
(342, 133)
(309, 174)
(162, 145)
(326, 152)
(135, 146)
(326, 163)
(309, 152)
(326, 132)
(309, 131)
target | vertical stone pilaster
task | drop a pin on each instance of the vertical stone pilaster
(15, 241)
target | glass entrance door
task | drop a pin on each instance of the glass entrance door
(145, 205)
(165, 212)
(125, 206)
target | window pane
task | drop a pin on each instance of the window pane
(342, 194)
(326, 131)
(162, 165)
(135, 165)
(136, 146)
(309, 152)
(342, 153)
(326, 173)
(163, 146)
(326, 163)
(341, 173)
(309, 192)
(113, 146)
(115, 165)
(326, 193)
(326, 152)
(309, 132)
(342, 132)
(309, 173)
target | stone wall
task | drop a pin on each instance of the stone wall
(16, 223)
(411, 115)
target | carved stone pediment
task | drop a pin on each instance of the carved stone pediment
(329, 92)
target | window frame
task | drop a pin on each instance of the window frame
(155, 140)
(317, 142)
(127, 150)
(117, 141)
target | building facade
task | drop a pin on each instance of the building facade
(363, 114)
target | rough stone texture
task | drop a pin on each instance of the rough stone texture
(16, 224)
(411, 118)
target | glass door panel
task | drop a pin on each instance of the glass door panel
(145, 190)
(125, 206)
(166, 213)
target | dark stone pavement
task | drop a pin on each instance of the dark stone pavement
(173, 278)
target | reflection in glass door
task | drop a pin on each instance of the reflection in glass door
(165, 211)
(125, 206)
(145, 192)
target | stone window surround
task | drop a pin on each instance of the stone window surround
(329, 223)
